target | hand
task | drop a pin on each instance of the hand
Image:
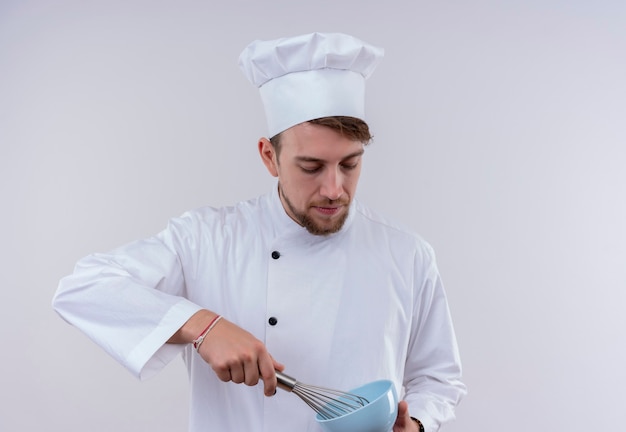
(404, 422)
(236, 355)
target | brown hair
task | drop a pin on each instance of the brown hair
(350, 127)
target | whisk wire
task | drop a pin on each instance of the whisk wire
(328, 403)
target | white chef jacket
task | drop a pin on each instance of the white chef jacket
(362, 304)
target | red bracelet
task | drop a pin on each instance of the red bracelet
(198, 341)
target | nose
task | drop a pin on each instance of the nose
(332, 185)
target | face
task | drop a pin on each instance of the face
(318, 170)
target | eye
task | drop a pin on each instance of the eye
(350, 165)
(310, 170)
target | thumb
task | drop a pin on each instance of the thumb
(403, 409)
(278, 366)
(403, 421)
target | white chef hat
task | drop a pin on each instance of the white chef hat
(310, 76)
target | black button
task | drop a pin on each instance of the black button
(275, 254)
(273, 321)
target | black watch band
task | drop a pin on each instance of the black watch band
(419, 424)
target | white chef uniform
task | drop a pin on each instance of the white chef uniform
(363, 304)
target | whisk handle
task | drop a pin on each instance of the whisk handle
(285, 382)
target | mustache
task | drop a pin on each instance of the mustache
(331, 203)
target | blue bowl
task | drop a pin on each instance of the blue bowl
(379, 415)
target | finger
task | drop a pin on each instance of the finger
(223, 373)
(278, 366)
(268, 374)
(237, 374)
(251, 370)
(403, 409)
(403, 421)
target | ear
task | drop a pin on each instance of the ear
(268, 156)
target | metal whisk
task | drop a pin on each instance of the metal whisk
(328, 403)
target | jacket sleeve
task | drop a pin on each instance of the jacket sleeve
(130, 301)
(432, 378)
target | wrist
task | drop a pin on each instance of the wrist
(198, 341)
(193, 327)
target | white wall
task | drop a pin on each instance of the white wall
(500, 136)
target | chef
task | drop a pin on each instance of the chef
(304, 279)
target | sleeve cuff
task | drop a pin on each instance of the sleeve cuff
(153, 353)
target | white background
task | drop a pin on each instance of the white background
(500, 135)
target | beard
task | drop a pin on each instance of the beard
(307, 222)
